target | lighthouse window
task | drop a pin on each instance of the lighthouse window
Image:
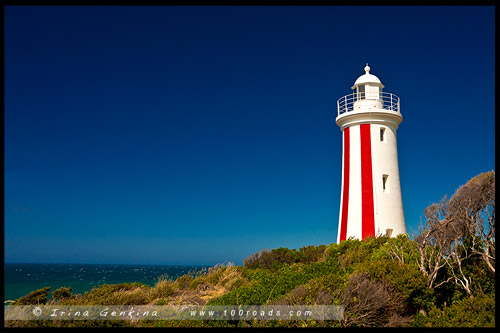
(382, 134)
(361, 92)
(384, 183)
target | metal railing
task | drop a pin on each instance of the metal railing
(387, 101)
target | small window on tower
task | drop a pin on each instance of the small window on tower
(384, 183)
(361, 92)
(382, 134)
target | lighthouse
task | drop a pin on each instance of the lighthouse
(371, 202)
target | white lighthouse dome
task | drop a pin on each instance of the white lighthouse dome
(367, 78)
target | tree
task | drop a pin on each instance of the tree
(430, 242)
(473, 210)
(456, 230)
(62, 293)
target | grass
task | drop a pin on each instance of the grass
(199, 286)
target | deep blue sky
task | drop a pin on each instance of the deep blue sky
(198, 135)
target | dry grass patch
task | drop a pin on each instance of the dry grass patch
(163, 288)
(224, 275)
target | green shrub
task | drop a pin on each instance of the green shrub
(260, 289)
(406, 279)
(267, 285)
(277, 258)
(38, 296)
(315, 269)
(396, 248)
(238, 282)
(352, 251)
(273, 259)
(321, 290)
(311, 253)
(469, 312)
(62, 293)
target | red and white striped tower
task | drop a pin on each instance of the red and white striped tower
(371, 202)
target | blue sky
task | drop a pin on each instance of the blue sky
(198, 135)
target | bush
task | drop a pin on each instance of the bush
(62, 293)
(399, 248)
(406, 279)
(469, 312)
(317, 291)
(352, 251)
(311, 253)
(277, 258)
(372, 303)
(267, 285)
(273, 259)
(33, 298)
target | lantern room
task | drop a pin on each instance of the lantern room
(367, 92)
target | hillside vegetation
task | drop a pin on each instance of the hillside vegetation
(441, 276)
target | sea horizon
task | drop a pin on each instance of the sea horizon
(85, 263)
(22, 278)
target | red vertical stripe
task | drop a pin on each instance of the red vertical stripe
(345, 193)
(368, 219)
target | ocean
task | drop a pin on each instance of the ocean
(20, 279)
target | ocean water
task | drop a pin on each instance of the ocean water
(20, 279)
